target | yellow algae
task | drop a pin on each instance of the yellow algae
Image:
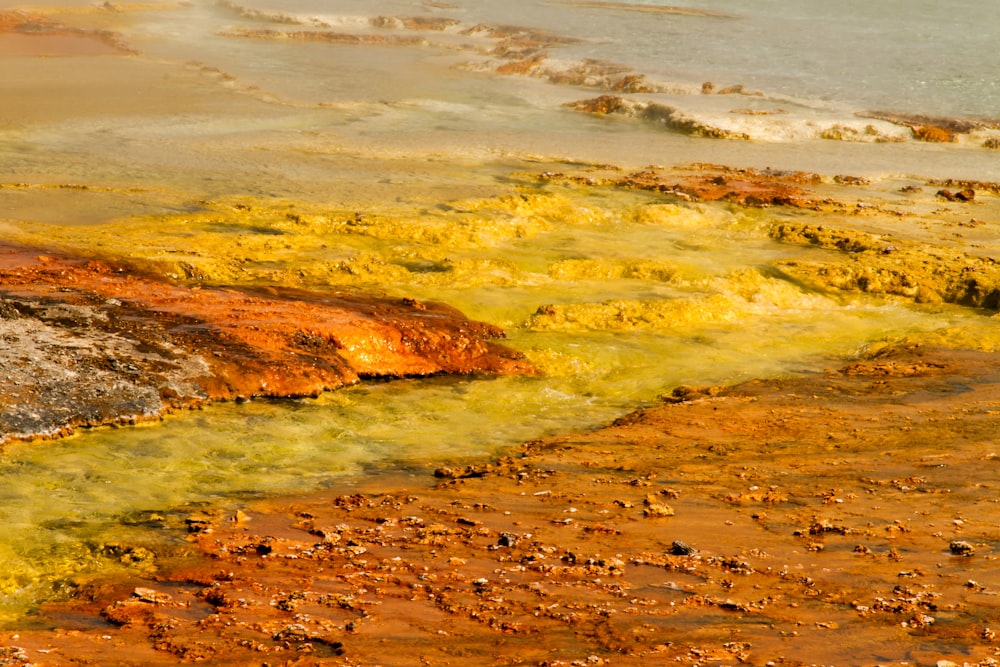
(595, 269)
(689, 216)
(879, 264)
(558, 364)
(632, 314)
(736, 294)
(276, 241)
(983, 336)
(754, 287)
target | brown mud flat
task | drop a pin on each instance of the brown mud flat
(89, 343)
(743, 187)
(25, 33)
(656, 9)
(842, 518)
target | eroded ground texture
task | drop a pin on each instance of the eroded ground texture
(850, 515)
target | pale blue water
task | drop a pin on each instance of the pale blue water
(918, 56)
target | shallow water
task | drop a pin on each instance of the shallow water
(700, 306)
(618, 296)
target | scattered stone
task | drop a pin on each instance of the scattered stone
(961, 548)
(462, 473)
(965, 195)
(685, 393)
(151, 596)
(508, 540)
(679, 548)
(843, 179)
(654, 508)
(933, 134)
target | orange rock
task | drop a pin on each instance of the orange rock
(747, 187)
(933, 134)
(139, 346)
(521, 67)
(604, 104)
(631, 83)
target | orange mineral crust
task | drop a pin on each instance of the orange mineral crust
(836, 519)
(89, 343)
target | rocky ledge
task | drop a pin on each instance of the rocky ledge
(87, 343)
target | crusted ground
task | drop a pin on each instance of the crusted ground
(848, 515)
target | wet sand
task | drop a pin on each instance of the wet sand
(843, 518)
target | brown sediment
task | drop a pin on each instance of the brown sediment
(743, 186)
(653, 112)
(330, 36)
(846, 516)
(514, 42)
(948, 124)
(655, 9)
(517, 51)
(965, 184)
(90, 343)
(603, 105)
(433, 23)
(934, 129)
(521, 67)
(524, 36)
(759, 112)
(588, 73)
(839, 132)
(258, 15)
(27, 33)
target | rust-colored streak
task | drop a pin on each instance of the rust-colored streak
(746, 187)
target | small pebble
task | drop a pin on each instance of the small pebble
(679, 548)
(961, 548)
